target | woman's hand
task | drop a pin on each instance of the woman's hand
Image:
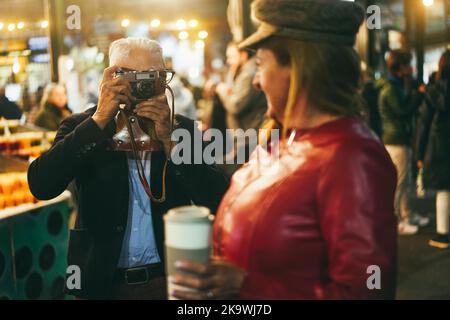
(215, 280)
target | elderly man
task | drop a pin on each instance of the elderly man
(118, 239)
(398, 102)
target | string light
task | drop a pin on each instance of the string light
(193, 23)
(155, 23)
(203, 34)
(21, 25)
(125, 23)
(181, 24)
(199, 44)
(183, 35)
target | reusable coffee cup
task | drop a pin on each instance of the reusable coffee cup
(188, 232)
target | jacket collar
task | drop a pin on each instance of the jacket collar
(339, 129)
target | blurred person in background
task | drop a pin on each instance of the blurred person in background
(184, 99)
(35, 104)
(243, 105)
(197, 92)
(8, 109)
(433, 147)
(370, 92)
(27, 103)
(432, 78)
(311, 222)
(53, 108)
(398, 105)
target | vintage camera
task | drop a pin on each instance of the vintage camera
(146, 84)
(138, 134)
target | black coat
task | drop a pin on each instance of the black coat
(433, 137)
(50, 117)
(79, 154)
(9, 109)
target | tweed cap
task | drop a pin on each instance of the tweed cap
(330, 21)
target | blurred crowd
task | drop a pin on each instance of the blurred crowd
(46, 109)
(413, 121)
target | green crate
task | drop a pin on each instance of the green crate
(38, 240)
(5, 261)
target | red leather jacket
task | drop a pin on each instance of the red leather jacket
(310, 225)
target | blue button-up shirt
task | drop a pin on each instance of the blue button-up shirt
(139, 245)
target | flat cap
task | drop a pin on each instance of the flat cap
(329, 21)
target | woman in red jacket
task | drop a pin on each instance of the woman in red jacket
(315, 221)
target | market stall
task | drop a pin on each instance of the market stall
(33, 234)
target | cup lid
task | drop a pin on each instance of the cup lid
(189, 214)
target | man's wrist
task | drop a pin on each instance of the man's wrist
(100, 120)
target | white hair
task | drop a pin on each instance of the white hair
(121, 48)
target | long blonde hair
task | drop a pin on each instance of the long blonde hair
(328, 75)
(49, 88)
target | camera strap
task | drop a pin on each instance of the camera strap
(137, 156)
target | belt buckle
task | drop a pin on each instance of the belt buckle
(137, 269)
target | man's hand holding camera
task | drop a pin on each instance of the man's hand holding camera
(117, 90)
(113, 92)
(157, 109)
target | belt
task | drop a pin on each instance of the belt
(140, 275)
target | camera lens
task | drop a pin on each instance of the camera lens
(145, 89)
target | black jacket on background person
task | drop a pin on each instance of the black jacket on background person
(433, 136)
(370, 93)
(51, 116)
(80, 154)
(9, 109)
